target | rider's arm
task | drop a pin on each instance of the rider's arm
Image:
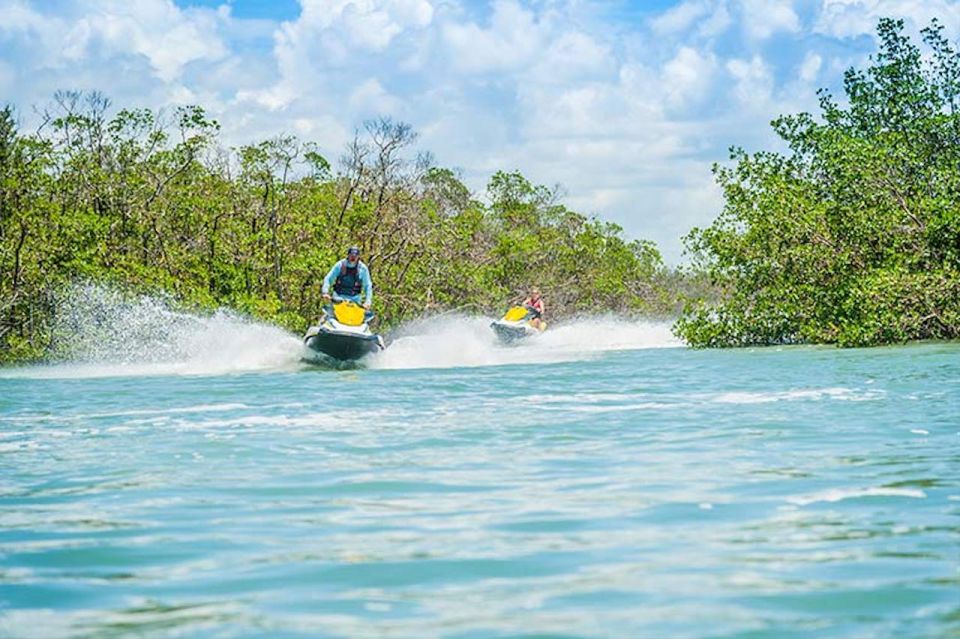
(367, 283)
(330, 278)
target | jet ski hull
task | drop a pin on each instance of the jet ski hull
(509, 333)
(518, 323)
(341, 345)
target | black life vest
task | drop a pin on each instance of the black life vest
(348, 281)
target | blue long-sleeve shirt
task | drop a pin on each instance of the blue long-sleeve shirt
(362, 271)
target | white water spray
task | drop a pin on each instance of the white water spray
(469, 341)
(102, 332)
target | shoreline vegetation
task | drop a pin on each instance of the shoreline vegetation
(853, 238)
(152, 203)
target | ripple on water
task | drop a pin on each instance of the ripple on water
(658, 492)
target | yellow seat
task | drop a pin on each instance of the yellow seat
(349, 314)
(516, 313)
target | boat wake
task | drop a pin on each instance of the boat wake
(104, 333)
(468, 341)
(101, 332)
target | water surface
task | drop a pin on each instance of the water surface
(573, 488)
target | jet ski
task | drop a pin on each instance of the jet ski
(343, 333)
(517, 324)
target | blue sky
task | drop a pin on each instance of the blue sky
(624, 104)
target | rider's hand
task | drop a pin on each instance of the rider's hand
(366, 305)
(326, 297)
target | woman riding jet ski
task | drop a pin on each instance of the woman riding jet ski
(522, 321)
(343, 332)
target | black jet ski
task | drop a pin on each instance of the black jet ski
(343, 333)
(517, 324)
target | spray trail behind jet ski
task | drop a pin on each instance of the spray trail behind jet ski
(106, 334)
(101, 332)
(468, 341)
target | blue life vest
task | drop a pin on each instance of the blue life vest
(348, 281)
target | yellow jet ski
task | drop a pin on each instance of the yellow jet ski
(343, 333)
(519, 322)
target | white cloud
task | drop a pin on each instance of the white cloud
(753, 82)
(681, 17)
(626, 115)
(166, 36)
(852, 18)
(335, 34)
(717, 22)
(18, 16)
(810, 67)
(763, 18)
(371, 99)
(511, 42)
(7, 76)
(705, 18)
(688, 76)
(573, 56)
(366, 24)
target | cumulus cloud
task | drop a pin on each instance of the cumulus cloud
(167, 37)
(763, 18)
(511, 41)
(371, 99)
(810, 67)
(753, 81)
(759, 19)
(334, 35)
(717, 22)
(364, 24)
(853, 18)
(573, 56)
(688, 76)
(681, 17)
(627, 114)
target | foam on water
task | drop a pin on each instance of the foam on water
(456, 341)
(839, 494)
(101, 332)
(808, 394)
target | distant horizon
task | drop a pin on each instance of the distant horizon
(625, 108)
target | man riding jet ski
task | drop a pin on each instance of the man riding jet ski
(522, 321)
(343, 332)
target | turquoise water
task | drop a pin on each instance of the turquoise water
(580, 487)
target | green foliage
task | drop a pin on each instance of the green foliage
(854, 237)
(152, 203)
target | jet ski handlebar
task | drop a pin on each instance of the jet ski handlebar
(337, 299)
